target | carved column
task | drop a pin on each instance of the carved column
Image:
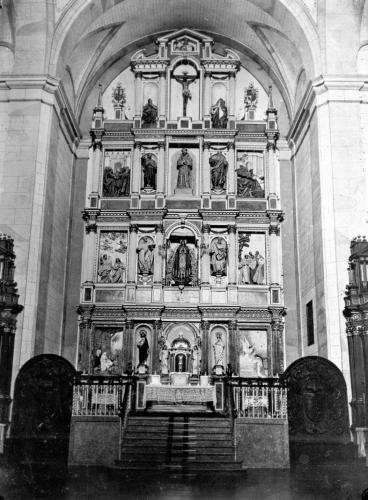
(157, 270)
(273, 176)
(275, 243)
(161, 169)
(364, 337)
(89, 180)
(206, 355)
(162, 90)
(233, 339)
(97, 161)
(277, 328)
(156, 347)
(232, 95)
(138, 94)
(232, 267)
(206, 95)
(205, 253)
(355, 335)
(129, 348)
(231, 177)
(89, 254)
(206, 178)
(85, 346)
(136, 174)
(132, 256)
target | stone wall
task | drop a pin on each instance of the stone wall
(262, 443)
(94, 441)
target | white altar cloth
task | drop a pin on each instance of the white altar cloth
(180, 394)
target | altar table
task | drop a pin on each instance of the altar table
(180, 394)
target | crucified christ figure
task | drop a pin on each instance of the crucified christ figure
(185, 81)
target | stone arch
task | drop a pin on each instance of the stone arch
(362, 59)
(317, 408)
(42, 408)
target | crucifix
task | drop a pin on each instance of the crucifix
(185, 80)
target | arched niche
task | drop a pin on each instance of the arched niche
(362, 59)
(182, 345)
(185, 75)
(142, 328)
(182, 257)
(219, 347)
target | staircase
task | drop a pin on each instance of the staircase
(178, 443)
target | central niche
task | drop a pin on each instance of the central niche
(182, 258)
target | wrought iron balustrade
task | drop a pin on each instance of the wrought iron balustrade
(99, 396)
(259, 398)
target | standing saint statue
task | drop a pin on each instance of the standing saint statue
(218, 164)
(149, 171)
(184, 166)
(219, 114)
(143, 348)
(219, 350)
(149, 113)
(181, 271)
(218, 257)
(185, 80)
(145, 256)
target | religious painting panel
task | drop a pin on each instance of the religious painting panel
(112, 257)
(218, 351)
(149, 171)
(183, 171)
(253, 353)
(116, 174)
(107, 351)
(182, 258)
(218, 170)
(184, 44)
(143, 348)
(250, 175)
(251, 258)
(145, 259)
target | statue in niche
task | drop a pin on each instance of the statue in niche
(250, 97)
(145, 256)
(106, 363)
(149, 165)
(182, 268)
(196, 360)
(143, 348)
(185, 80)
(251, 269)
(184, 166)
(247, 183)
(149, 113)
(219, 114)
(219, 350)
(218, 254)
(218, 165)
(251, 364)
(164, 359)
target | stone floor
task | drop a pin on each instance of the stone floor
(304, 483)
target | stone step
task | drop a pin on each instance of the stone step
(183, 467)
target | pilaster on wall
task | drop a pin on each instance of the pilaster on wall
(36, 164)
(327, 137)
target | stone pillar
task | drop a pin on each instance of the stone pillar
(275, 250)
(85, 346)
(364, 337)
(206, 179)
(205, 254)
(233, 265)
(162, 100)
(206, 100)
(161, 169)
(132, 255)
(157, 269)
(89, 253)
(136, 174)
(277, 328)
(232, 95)
(89, 180)
(156, 347)
(233, 345)
(129, 341)
(97, 160)
(206, 355)
(273, 178)
(138, 95)
(358, 376)
(231, 177)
